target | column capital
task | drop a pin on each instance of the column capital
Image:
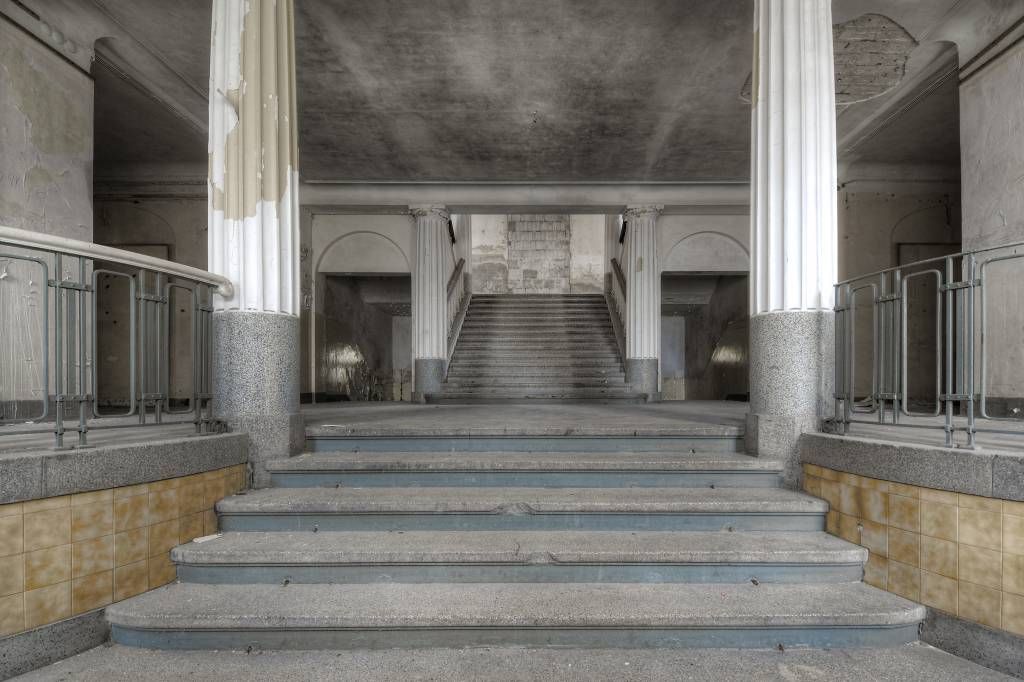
(643, 211)
(424, 210)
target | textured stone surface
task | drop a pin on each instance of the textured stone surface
(642, 376)
(522, 500)
(1008, 476)
(520, 547)
(909, 662)
(959, 470)
(50, 473)
(428, 376)
(789, 373)
(182, 605)
(43, 646)
(995, 649)
(776, 437)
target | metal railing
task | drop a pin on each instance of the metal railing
(56, 300)
(619, 292)
(457, 303)
(915, 343)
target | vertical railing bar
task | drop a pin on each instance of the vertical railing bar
(947, 398)
(969, 350)
(160, 342)
(58, 343)
(83, 399)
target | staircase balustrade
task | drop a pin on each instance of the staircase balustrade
(458, 301)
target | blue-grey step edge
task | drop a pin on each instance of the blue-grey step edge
(546, 556)
(297, 616)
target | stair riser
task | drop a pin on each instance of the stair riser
(272, 521)
(518, 573)
(554, 443)
(566, 373)
(568, 479)
(550, 384)
(464, 399)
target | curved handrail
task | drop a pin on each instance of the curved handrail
(453, 281)
(936, 259)
(617, 269)
(73, 247)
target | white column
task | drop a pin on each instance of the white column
(430, 297)
(793, 224)
(643, 299)
(254, 224)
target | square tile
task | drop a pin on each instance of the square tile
(874, 505)
(852, 480)
(939, 592)
(905, 512)
(192, 498)
(981, 503)
(904, 580)
(131, 579)
(163, 505)
(215, 490)
(1013, 573)
(92, 592)
(979, 604)
(905, 490)
(131, 490)
(1009, 507)
(981, 566)
(832, 522)
(92, 520)
(161, 571)
(812, 485)
(849, 528)
(1013, 613)
(874, 536)
(849, 500)
(47, 528)
(165, 484)
(812, 470)
(938, 520)
(92, 556)
(876, 571)
(13, 509)
(941, 496)
(939, 556)
(12, 614)
(47, 567)
(904, 546)
(131, 546)
(1013, 534)
(190, 527)
(829, 474)
(92, 497)
(830, 493)
(47, 604)
(12, 574)
(980, 528)
(12, 535)
(163, 537)
(131, 512)
(46, 503)
(210, 524)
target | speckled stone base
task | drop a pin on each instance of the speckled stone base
(429, 376)
(642, 377)
(791, 382)
(256, 383)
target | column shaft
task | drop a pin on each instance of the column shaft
(643, 299)
(253, 224)
(793, 225)
(430, 298)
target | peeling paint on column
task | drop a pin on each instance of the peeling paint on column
(253, 154)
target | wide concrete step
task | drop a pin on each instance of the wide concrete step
(526, 469)
(544, 556)
(522, 508)
(296, 616)
(539, 357)
(482, 369)
(549, 383)
(519, 396)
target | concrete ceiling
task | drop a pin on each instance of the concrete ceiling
(502, 90)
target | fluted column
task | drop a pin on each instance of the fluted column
(253, 224)
(793, 225)
(430, 298)
(643, 299)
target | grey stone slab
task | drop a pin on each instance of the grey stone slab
(442, 500)
(524, 461)
(64, 472)
(911, 663)
(562, 547)
(1008, 476)
(954, 469)
(182, 606)
(996, 649)
(42, 646)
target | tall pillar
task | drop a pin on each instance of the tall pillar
(254, 225)
(430, 298)
(643, 300)
(793, 226)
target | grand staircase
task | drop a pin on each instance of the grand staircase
(535, 348)
(671, 541)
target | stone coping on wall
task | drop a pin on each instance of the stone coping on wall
(32, 475)
(997, 474)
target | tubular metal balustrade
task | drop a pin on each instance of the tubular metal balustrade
(457, 303)
(51, 326)
(914, 343)
(618, 296)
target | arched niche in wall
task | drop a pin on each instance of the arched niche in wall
(363, 252)
(707, 252)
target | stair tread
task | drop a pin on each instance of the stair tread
(514, 605)
(500, 500)
(523, 461)
(518, 547)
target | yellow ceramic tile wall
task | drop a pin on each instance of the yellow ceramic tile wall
(62, 556)
(961, 554)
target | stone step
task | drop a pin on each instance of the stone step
(545, 556)
(550, 358)
(525, 469)
(610, 369)
(540, 327)
(518, 383)
(508, 508)
(579, 395)
(383, 615)
(580, 347)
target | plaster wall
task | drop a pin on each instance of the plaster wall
(733, 230)
(586, 254)
(353, 244)
(992, 165)
(489, 258)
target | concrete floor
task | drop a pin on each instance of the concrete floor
(910, 662)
